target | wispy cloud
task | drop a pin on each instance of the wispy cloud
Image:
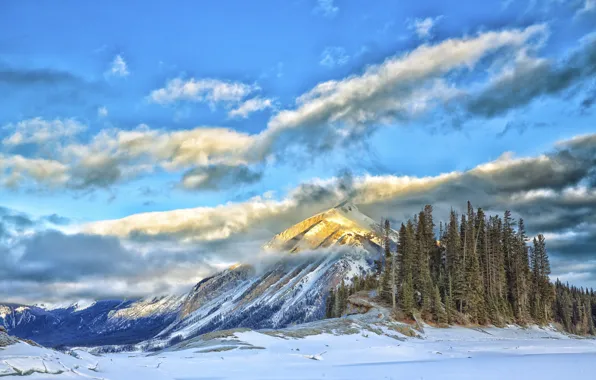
(207, 90)
(334, 56)
(327, 8)
(118, 67)
(400, 88)
(250, 106)
(40, 131)
(102, 111)
(589, 6)
(423, 27)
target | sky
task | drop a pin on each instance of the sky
(146, 145)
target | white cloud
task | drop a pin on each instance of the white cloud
(19, 170)
(118, 67)
(206, 90)
(423, 27)
(40, 131)
(400, 87)
(115, 155)
(102, 112)
(334, 56)
(326, 8)
(250, 106)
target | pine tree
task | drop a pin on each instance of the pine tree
(438, 311)
(329, 304)
(522, 272)
(386, 286)
(406, 247)
(422, 279)
(541, 287)
(406, 301)
(481, 266)
(454, 262)
(474, 293)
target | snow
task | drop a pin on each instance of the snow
(4, 311)
(149, 307)
(451, 353)
(339, 225)
(82, 305)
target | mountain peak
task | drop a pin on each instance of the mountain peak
(343, 224)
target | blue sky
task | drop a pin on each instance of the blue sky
(118, 109)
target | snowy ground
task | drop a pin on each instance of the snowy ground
(453, 353)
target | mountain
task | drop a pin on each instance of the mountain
(284, 289)
(277, 290)
(102, 322)
(341, 225)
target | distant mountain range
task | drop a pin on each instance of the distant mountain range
(286, 289)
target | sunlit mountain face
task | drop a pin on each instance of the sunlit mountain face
(143, 151)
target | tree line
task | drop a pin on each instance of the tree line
(479, 270)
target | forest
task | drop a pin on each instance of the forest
(479, 270)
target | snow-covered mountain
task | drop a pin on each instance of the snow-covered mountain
(277, 290)
(341, 225)
(287, 289)
(99, 323)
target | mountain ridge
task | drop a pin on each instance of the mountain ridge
(334, 246)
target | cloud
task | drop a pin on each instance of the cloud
(335, 113)
(530, 78)
(40, 131)
(589, 100)
(211, 91)
(52, 255)
(400, 88)
(19, 170)
(521, 126)
(38, 264)
(162, 250)
(550, 184)
(222, 176)
(26, 77)
(113, 156)
(57, 220)
(326, 8)
(588, 7)
(118, 67)
(250, 106)
(334, 56)
(423, 27)
(102, 112)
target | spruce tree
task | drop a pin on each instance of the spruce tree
(386, 284)
(422, 279)
(439, 313)
(329, 304)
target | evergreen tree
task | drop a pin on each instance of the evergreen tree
(481, 266)
(474, 293)
(454, 262)
(329, 304)
(406, 249)
(386, 285)
(438, 311)
(422, 279)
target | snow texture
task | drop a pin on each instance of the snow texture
(451, 353)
